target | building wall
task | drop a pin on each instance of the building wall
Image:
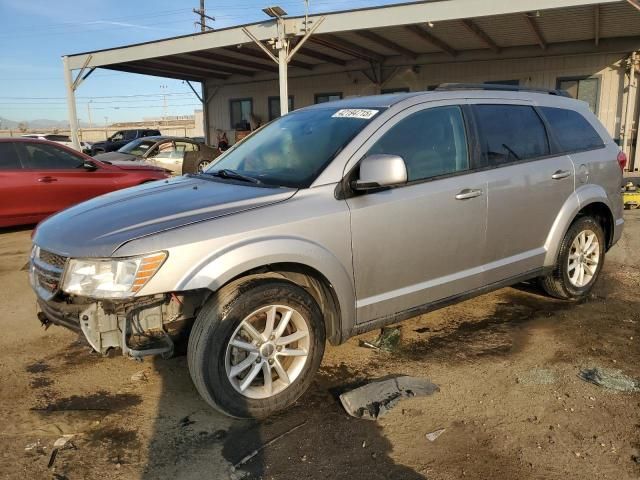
(535, 72)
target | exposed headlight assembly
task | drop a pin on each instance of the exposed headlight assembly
(111, 277)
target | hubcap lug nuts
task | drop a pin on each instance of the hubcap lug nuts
(270, 362)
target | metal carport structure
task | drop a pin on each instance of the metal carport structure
(378, 42)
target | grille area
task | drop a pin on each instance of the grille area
(46, 272)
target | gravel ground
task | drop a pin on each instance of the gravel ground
(510, 400)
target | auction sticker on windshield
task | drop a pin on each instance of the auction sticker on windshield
(362, 113)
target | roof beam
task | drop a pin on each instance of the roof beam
(634, 3)
(249, 52)
(234, 61)
(189, 60)
(474, 28)
(431, 39)
(307, 52)
(177, 68)
(385, 42)
(156, 72)
(535, 29)
(346, 47)
(596, 24)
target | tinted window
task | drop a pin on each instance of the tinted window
(571, 129)
(58, 138)
(8, 156)
(48, 157)
(509, 133)
(274, 106)
(130, 134)
(431, 142)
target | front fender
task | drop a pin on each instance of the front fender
(235, 259)
(582, 197)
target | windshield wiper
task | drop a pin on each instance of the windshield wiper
(232, 174)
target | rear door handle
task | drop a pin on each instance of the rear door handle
(468, 193)
(561, 174)
(47, 179)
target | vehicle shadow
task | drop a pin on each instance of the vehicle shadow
(313, 439)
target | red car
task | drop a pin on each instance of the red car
(39, 178)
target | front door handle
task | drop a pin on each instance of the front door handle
(47, 179)
(468, 193)
(561, 174)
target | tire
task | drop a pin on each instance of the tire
(203, 164)
(212, 359)
(564, 282)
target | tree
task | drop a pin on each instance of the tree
(22, 126)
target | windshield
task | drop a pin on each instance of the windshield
(138, 147)
(293, 150)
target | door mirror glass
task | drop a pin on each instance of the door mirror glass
(89, 166)
(381, 171)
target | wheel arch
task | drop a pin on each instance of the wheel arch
(589, 200)
(303, 263)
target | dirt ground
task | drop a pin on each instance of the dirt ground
(507, 365)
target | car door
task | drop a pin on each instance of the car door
(15, 206)
(527, 187)
(56, 178)
(170, 156)
(423, 241)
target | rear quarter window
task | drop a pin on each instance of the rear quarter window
(572, 131)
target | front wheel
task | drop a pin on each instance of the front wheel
(580, 261)
(255, 347)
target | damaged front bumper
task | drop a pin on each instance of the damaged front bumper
(140, 327)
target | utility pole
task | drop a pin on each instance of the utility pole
(164, 103)
(203, 18)
(89, 113)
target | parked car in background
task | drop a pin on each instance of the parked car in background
(331, 221)
(120, 139)
(39, 178)
(57, 138)
(180, 155)
(198, 139)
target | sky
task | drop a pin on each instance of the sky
(34, 34)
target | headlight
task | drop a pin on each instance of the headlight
(111, 277)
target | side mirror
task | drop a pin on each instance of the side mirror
(381, 171)
(89, 166)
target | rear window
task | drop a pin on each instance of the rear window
(58, 138)
(571, 129)
(509, 133)
(8, 156)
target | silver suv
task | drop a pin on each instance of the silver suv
(331, 221)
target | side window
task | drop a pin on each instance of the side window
(130, 134)
(571, 129)
(166, 150)
(327, 97)
(432, 142)
(509, 133)
(241, 111)
(47, 157)
(9, 156)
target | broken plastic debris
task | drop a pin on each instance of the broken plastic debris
(611, 379)
(435, 434)
(378, 397)
(62, 441)
(388, 340)
(140, 376)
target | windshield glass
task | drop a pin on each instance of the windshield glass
(293, 150)
(138, 147)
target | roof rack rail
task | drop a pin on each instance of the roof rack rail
(496, 86)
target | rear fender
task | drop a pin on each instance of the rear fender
(582, 197)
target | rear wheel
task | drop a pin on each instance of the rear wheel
(580, 260)
(255, 346)
(203, 164)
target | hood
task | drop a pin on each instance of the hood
(98, 227)
(114, 156)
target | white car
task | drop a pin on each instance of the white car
(57, 138)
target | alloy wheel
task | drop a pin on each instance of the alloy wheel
(267, 351)
(584, 258)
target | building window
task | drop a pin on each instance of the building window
(274, 106)
(241, 110)
(512, 83)
(328, 97)
(582, 88)
(395, 90)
